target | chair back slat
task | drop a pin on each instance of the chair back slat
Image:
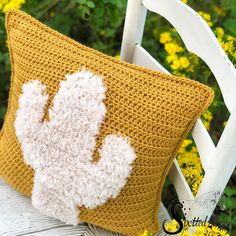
(142, 58)
(203, 142)
(219, 172)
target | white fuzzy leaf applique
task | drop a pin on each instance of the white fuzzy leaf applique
(60, 150)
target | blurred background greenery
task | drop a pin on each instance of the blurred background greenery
(99, 24)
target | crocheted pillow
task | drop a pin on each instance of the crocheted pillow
(89, 137)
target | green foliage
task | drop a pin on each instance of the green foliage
(227, 203)
(4, 71)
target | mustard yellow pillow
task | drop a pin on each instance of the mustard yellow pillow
(89, 137)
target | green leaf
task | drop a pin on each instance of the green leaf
(234, 220)
(230, 191)
(233, 8)
(58, 22)
(90, 4)
(100, 12)
(230, 24)
(233, 232)
(230, 204)
(224, 218)
(110, 33)
(82, 1)
(109, 1)
(226, 4)
(3, 111)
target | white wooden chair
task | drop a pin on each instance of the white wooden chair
(18, 217)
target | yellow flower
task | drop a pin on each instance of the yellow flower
(175, 223)
(195, 188)
(200, 231)
(185, 233)
(219, 32)
(207, 115)
(165, 37)
(2, 3)
(198, 178)
(9, 4)
(230, 37)
(171, 226)
(184, 62)
(52, 13)
(194, 61)
(194, 150)
(178, 63)
(198, 167)
(213, 230)
(171, 58)
(223, 232)
(102, 32)
(175, 65)
(173, 48)
(206, 124)
(145, 233)
(190, 164)
(206, 119)
(234, 55)
(207, 225)
(220, 11)
(206, 17)
(117, 57)
(185, 144)
(189, 172)
(184, 1)
(228, 46)
(224, 123)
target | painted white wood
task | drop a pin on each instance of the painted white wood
(220, 170)
(204, 144)
(133, 28)
(19, 218)
(218, 162)
(200, 40)
(142, 58)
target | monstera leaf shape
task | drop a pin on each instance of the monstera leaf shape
(60, 150)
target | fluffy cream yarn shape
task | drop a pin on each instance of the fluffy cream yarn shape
(60, 150)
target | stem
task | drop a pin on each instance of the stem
(48, 8)
(230, 215)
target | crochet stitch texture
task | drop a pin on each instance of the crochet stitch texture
(156, 111)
